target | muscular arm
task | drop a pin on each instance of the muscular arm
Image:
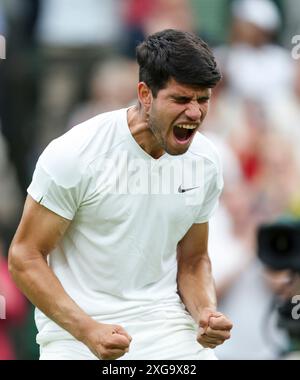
(195, 282)
(196, 287)
(39, 232)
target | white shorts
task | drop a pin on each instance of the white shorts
(160, 339)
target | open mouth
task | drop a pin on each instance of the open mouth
(183, 132)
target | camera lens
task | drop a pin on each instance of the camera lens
(282, 243)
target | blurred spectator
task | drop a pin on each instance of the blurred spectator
(278, 183)
(112, 86)
(241, 122)
(268, 161)
(72, 36)
(267, 187)
(14, 310)
(285, 284)
(134, 15)
(144, 17)
(242, 290)
(254, 67)
(171, 14)
(246, 140)
(250, 115)
(229, 223)
(283, 110)
(255, 335)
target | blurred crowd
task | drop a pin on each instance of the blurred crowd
(68, 60)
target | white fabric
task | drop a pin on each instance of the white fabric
(118, 258)
(262, 13)
(256, 73)
(156, 336)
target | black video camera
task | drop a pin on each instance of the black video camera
(279, 245)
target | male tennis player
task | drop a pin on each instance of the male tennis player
(112, 244)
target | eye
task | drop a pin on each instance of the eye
(182, 100)
(203, 100)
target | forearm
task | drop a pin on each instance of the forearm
(40, 285)
(196, 286)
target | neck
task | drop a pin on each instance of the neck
(139, 127)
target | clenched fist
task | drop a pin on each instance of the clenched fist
(214, 328)
(107, 342)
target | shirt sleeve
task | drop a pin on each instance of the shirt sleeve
(58, 182)
(214, 187)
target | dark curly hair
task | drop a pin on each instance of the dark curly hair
(182, 56)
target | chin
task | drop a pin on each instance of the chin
(178, 151)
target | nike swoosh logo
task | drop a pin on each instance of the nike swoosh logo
(181, 190)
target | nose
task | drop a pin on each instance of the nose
(193, 111)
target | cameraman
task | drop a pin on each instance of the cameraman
(286, 286)
(279, 250)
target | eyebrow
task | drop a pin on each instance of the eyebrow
(188, 98)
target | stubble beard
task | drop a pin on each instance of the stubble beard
(153, 125)
(156, 130)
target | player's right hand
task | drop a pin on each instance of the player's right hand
(107, 342)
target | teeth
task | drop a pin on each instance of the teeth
(186, 126)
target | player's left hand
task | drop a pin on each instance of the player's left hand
(214, 328)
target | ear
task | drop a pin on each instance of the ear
(145, 96)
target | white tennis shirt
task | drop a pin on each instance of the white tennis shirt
(128, 212)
